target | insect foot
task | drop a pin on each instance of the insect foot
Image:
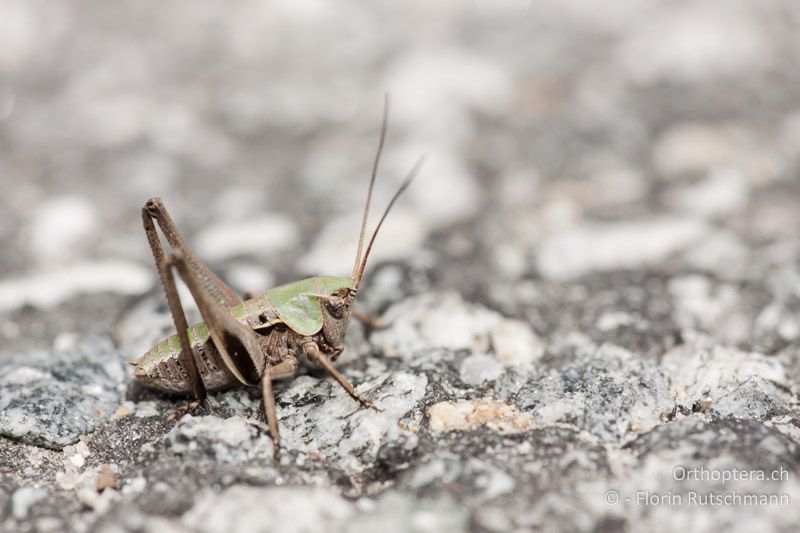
(366, 403)
(369, 405)
(192, 407)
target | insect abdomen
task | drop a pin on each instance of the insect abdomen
(161, 366)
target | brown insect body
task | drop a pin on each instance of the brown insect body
(261, 339)
(161, 366)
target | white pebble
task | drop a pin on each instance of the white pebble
(258, 237)
(442, 83)
(47, 289)
(515, 343)
(479, 368)
(146, 409)
(248, 277)
(333, 251)
(446, 191)
(723, 192)
(19, 34)
(59, 225)
(25, 498)
(695, 147)
(610, 246)
(694, 42)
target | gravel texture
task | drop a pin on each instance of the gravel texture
(592, 292)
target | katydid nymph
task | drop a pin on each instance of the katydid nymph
(260, 339)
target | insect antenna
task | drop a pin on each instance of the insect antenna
(411, 175)
(384, 127)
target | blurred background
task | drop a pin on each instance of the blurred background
(564, 139)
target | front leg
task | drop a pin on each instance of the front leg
(314, 355)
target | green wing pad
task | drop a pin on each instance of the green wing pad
(330, 284)
(297, 303)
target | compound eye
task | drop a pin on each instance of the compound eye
(335, 308)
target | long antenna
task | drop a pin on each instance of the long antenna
(384, 127)
(411, 175)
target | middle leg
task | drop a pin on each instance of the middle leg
(283, 370)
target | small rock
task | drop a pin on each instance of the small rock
(77, 460)
(489, 480)
(698, 303)
(436, 320)
(571, 253)
(698, 372)
(694, 43)
(333, 251)
(479, 368)
(258, 237)
(249, 277)
(98, 502)
(231, 440)
(82, 448)
(106, 478)
(610, 393)
(515, 343)
(146, 410)
(689, 148)
(694, 147)
(722, 193)
(350, 437)
(134, 486)
(399, 512)
(720, 252)
(123, 410)
(777, 320)
(25, 498)
(49, 523)
(48, 403)
(470, 414)
(48, 288)
(447, 79)
(59, 225)
(757, 398)
(612, 320)
(67, 480)
(269, 509)
(453, 196)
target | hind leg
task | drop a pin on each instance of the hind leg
(154, 210)
(188, 364)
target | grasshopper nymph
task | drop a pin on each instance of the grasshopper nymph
(260, 339)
